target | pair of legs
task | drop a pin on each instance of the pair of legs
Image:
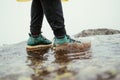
(52, 9)
(54, 14)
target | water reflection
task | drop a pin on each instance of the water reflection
(37, 64)
(67, 57)
(49, 72)
(57, 69)
(73, 51)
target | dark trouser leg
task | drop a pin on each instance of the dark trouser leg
(36, 17)
(54, 15)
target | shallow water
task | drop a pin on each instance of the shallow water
(101, 63)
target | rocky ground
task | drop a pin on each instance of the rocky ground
(103, 62)
(100, 31)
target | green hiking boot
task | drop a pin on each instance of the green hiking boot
(37, 40)
(66, 39)
(68, 45)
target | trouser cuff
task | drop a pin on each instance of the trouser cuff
(60, 33)
(35, 30)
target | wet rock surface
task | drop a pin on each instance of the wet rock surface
(102, 63)
(101, 31)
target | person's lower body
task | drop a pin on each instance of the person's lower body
(54, 14)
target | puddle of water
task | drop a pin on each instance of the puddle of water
(17, 65)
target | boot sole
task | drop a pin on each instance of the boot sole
(37, 51)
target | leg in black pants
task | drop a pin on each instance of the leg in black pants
(36, 17)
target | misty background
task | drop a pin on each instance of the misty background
(79, 15)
